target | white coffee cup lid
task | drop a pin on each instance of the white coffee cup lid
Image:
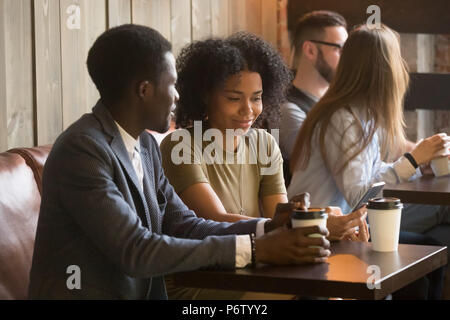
(384, 203)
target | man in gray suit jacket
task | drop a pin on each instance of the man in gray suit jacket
(110, 224)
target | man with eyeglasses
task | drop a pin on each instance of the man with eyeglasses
(316, 44)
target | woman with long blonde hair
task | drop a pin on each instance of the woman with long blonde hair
(342, 145)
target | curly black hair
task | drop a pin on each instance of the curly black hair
(123, 54)
(204, 66)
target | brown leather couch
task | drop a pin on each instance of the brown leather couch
(20, 198)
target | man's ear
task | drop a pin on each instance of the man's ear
(145, 89)
(309, 50)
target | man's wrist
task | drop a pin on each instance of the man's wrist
(258, 251)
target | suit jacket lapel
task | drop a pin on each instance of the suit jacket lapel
(120, 151)
(150, 191)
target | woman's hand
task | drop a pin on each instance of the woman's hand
(362, 235)
(425, 150)
(301, 201)
(282, 216)
(344, 226)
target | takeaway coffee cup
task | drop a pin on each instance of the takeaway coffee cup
(384, 223)
(310, 217)
(441, 164)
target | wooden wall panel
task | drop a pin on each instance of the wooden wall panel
(201, 19)
(238, 17)
(3, 101)
(220, 18)
(95, 22)
(72, 59)
(180, 24)
(78, 91)
(48, 70)
(18, 73)
(269, 21)
(253, 16)
(119, 12)
(153, 13)
(44, 83)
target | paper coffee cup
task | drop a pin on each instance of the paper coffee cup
(440, 165)
(384, 223)
(308, 218)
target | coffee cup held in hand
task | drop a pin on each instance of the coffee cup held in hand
(310, 217)
(441, 164)
(384, 223)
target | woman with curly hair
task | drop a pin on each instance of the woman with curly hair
(222, 85)
(225, 168)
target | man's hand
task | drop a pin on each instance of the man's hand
(344, 226)
(282, 216)
(292, 246)
(301, 201)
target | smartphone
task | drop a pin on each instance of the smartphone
(373, 191)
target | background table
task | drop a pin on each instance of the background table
(426, 190)
(344, 275)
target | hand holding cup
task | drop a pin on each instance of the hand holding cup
(427, 149)
(293, 246)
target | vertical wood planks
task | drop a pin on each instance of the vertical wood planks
(17, 73)
(180, 24)
(253, 16)
(3, 101)
(72, 58)
(81, 22)
(238, 17)
(49, 40)
(154, 14)
(95, 22)
(48, 70)
(220, 18)
(119, 12)
(201, 19)
(269, 21)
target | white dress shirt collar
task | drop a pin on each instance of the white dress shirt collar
(133, 149)
(128, 140)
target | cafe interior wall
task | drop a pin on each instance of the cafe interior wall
(426, 53)
(44, 84)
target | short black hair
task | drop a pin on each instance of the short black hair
(204, 66)
(312, 24)
(123, 54)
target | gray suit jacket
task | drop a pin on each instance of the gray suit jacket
(93, 215)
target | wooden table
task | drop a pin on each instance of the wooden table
(426, 190)
(345, 274)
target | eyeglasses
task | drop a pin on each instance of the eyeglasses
(337, 45)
